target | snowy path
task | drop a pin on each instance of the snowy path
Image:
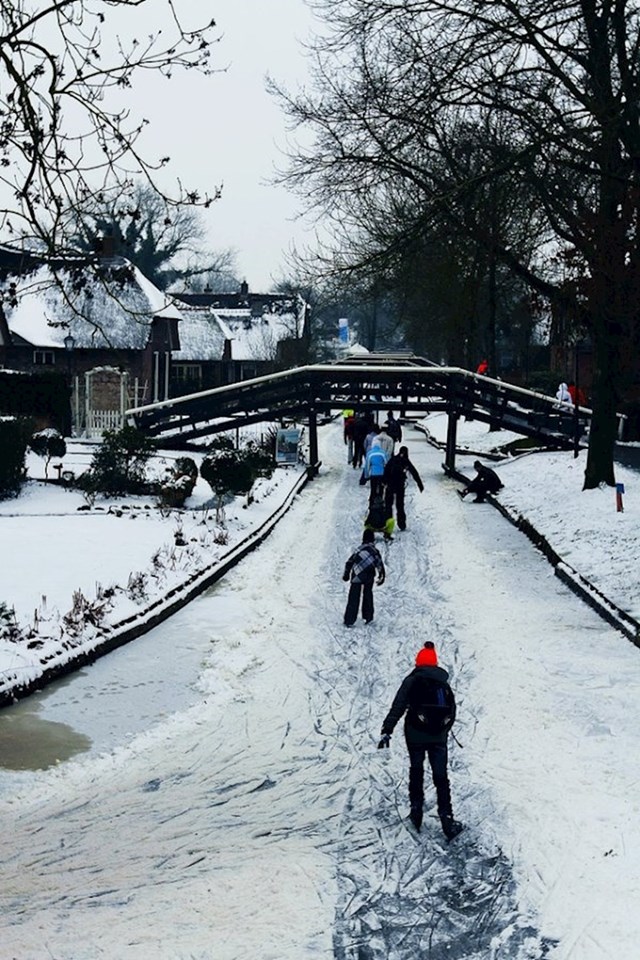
(262, 823)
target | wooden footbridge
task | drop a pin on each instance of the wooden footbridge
(410, 386)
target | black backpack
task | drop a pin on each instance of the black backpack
(431, 706)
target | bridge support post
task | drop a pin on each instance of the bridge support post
(313, 443)
(450, 449)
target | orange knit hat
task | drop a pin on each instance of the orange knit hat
(427, 656)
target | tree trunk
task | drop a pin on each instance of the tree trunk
(602, 436)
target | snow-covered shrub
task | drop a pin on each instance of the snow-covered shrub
(260, 459)
(9, 629)
(48, 443)
(219, 469)
(137, 589)
(177, 485)
(231, 471)
(84, 613)
(119, 464)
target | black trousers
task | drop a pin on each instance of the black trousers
(437, 754)
(357, 590)
(481, 487)
(376, 485)
(397, 494)
(358, 453)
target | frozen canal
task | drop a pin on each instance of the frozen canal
(226, 800)
(106, 704)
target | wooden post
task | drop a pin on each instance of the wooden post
(450, 449)
(313, 442)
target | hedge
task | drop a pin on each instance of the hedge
(39, 395)
(14, 437)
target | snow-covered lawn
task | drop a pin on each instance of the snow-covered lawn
(120, 554)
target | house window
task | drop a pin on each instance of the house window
(187, 371)
(44, 358)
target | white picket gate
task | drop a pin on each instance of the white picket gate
(100, 420)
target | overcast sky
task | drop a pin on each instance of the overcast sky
(227, 130)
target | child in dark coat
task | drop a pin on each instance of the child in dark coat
(361, 569)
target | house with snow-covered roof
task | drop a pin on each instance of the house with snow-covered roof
(101, 324)
(121, 342)
(225, 338)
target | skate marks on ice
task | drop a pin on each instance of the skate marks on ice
(404, 895)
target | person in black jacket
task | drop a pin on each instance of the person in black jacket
(429, 707)
(395, 478)
(361, 428)
(485, 481)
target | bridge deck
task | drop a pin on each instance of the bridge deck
(403, 386)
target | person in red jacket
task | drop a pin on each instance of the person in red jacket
(427, 702)
(483, 368)
(577, 394)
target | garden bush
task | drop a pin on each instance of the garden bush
(177, 485)
(48, 444)
(119, 465)
(231, 471)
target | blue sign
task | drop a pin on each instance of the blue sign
(287, 442)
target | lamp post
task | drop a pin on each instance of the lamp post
(69, 346)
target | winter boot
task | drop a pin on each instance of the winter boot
(416, 815)
(450, 827)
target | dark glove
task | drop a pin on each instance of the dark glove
(380, 581)
(385, 740)
(345, 576)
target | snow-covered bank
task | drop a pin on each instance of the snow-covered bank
(83, 581)
(584, 528)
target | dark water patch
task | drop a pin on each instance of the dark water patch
(27, 742)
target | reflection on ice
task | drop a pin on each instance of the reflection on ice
(27, 742)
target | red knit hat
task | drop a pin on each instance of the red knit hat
(427, 656)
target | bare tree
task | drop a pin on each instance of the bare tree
(68, 138)
(166, 243)
(399, 85)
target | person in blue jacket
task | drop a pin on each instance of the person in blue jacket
(374, 464)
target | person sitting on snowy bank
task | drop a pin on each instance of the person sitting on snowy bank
(429, 707)
(485, 481)
(563, 394)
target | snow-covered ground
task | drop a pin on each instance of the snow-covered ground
(263, 822)
(102, 564)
